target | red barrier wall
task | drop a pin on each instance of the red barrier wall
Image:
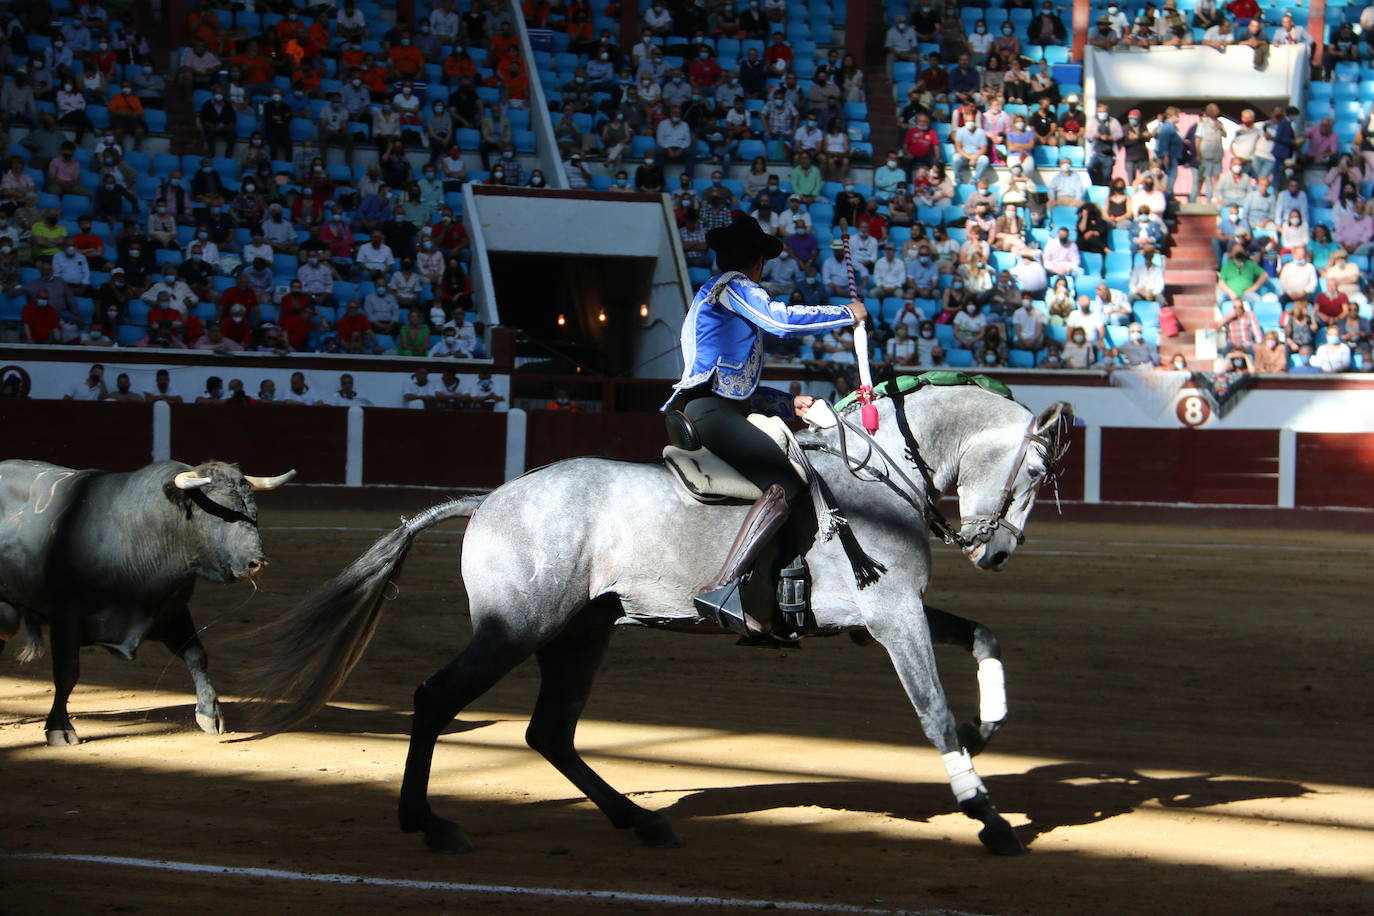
(264, 440)
(555, 434)
(78, 434)
(441, 448)
(1335, 469)
(1238, 467)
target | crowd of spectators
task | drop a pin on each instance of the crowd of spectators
(270, 246)
(449, 390)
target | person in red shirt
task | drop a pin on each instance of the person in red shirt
(1243, 9)
(449, 234)
(90, 244)
(704, 72)
(935, 78)
(164, 311)
(921, 144)
(1329, 306)
(40, 321)
(241, 293)
(777, 51)
(353, 321)
(873, 221)
(235, 324)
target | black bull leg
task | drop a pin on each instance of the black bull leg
(178, 633)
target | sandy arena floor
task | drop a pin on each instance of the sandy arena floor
(1192, 730)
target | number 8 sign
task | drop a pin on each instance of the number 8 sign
(1192, 410)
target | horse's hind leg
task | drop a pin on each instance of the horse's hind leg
(948, 629)
(567, 666)
(489, 656)
(907, 640)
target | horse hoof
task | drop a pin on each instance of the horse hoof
(999, 839)
(656, 833)
(210, 724)
(62, 737)
(444, 836)
(971, 737)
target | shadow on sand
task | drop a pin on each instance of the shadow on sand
(1051, 796)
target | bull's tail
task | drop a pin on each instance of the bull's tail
(25, 625)
(311, 650)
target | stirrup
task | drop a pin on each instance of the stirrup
(725, 607)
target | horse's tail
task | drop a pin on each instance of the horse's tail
(324, 636)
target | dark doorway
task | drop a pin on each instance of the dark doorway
(597, 298)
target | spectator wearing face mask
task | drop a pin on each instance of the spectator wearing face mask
(1068, 188)
(1137, 352)
(1333, 355)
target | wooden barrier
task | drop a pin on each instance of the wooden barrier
(78, 434)
(1222, 467)
(264, 440)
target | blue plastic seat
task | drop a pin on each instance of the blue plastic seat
(958, 359)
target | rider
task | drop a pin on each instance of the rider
(722, 345)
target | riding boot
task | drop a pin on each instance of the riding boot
(720, 600)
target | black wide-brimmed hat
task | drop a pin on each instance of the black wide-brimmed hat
(744, 234)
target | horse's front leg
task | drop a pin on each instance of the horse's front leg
(948, 629)
(907, 638)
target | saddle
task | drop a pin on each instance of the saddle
(707, 477)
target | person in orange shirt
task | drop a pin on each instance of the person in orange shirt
(373, 75)
(204, 25)
(307, 77)
(255, 66)
(513, 78)
(126, 117)
(296, 52)
(504, 40)
(290, 26)
(352, 58)
(459, 66)
(317, 37)
(407, 61)
(536, 13)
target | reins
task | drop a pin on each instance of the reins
(983, 525)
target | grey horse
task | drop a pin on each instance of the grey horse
(554, 560)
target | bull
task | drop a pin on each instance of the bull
(110, 559)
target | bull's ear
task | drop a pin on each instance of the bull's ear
(269, 483)
(189, 480)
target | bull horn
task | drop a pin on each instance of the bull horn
(189, 480)
(269, 483)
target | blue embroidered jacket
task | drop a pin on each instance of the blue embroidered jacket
(722, 338)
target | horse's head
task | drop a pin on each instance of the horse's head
(1000, 473)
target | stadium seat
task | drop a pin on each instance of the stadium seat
(1021, 359)
(958, 359)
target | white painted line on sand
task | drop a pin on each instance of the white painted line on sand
(499, 889)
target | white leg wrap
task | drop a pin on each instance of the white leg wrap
(992, 691)
(962, 779)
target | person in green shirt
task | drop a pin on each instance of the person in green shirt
(806, 178)
(47, 235)
(1240, 276)
(414, 337)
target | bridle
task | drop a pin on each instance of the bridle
(1048, 437)
(984, 526)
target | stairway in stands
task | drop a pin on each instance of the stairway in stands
(882, 111)
(1190, 279)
